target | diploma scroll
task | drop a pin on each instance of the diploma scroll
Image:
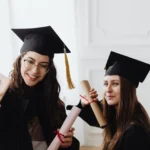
(75, 111)
(4, 84)
(97, 112)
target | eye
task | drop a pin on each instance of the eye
(44, 66)
(30, 61)
(105, 84)
(115, 83)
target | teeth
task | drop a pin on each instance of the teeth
(32, 76)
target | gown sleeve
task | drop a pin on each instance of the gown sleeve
(87, 114)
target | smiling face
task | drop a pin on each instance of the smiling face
(34, 67)
(111, 89)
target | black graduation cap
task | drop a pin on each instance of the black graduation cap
(133, 70)
(44, 41)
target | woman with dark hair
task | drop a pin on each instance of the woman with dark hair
(31, 111)
(128, 122)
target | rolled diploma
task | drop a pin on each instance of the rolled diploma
(97, 112)
(65, 127)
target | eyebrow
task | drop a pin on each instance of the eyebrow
(111, 80)
(35, 60)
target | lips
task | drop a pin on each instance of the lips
(31, 77)
(110, 97)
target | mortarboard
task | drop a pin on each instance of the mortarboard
(133, 70)
(44, 41)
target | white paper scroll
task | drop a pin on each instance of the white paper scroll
(75, 111)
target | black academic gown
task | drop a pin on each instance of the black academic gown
(14, 134)
(134, 137)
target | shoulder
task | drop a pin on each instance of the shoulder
(10, 98)
(135, 137)
(135, 129)
(9, 94)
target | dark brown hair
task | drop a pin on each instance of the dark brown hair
(48, 90)
(129, 111)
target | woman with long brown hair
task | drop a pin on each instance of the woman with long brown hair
(31, 111)
(128, 122)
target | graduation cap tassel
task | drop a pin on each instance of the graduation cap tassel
(70, 84)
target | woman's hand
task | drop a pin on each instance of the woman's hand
(67, 139)
(93, 94)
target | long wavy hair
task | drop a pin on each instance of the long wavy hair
(48, 87)
(129, 111)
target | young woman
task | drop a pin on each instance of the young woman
(31, 111)
(128, 122)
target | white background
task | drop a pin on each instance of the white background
(90, 29)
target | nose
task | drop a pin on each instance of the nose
(109, 88)
(35, 69)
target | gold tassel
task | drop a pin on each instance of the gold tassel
(68, 76)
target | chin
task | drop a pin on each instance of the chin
(111, 103)
(30, 83)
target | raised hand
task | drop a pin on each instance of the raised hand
(92, 93)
